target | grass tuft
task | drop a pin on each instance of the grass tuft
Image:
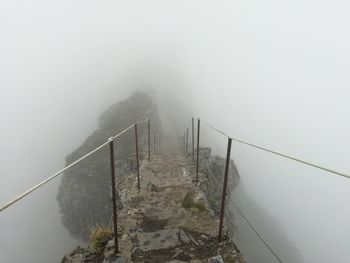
(190, 204)
(99, 237)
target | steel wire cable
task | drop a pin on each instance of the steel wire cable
(215, 129)
(139, 122)
(280, 154)
(257, 233)
(30, 190)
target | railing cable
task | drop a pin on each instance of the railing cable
(51, 177)
(293, 158)
(280, 154)
(257, 233)
(65, 169)
(145, 120)
(217, 130)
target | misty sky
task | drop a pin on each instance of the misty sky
(275, 73)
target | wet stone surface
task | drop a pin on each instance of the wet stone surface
(169, 220)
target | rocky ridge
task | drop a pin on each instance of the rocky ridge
(172, 219)
(84, 193)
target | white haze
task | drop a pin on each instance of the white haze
(275, 73)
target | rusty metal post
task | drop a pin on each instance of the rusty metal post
(186, 140)
(137, 158)
(227, 167)
(149, 139)
(184, 143)
(115, 222)
(154, 142)
(192, 139)
(198, 131)
(159, 142)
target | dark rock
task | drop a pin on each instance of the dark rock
(213, 167)
(154, 188)
(84, 193)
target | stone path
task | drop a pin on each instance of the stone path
(169, 220)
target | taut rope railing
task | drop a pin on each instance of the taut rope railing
(66, 168)
(257, 233)
(109, 142)
(185, 142)
(280, 154)
(224, 192)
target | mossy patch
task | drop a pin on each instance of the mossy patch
(229, 259)
(194, 210)
(100, 237)
(194, 206)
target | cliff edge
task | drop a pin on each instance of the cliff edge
(84, 193)
(169, 220)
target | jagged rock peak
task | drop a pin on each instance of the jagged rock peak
(83, 196)
(137, 107)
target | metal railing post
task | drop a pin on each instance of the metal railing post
(159, 143)
(115, 222)
(154, 142)
(149, 139)
(137, 158)
(192, 139)
(227, 167)
(197, 164)
(186, 140)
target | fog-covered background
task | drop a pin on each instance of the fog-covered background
(274, 73)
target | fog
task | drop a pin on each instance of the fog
(269, 72)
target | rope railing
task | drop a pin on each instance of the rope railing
(109, 142)
(280, 154)
(185, 143)
(257, 233)
(224, 192)
(35, 187)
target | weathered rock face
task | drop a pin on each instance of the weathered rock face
(168, 221)
(84, 193)
(213, 167)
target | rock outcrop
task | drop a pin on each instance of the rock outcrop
(84, 193)
(213, 168)
(169, 220)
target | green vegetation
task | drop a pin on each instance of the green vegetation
(100, 237)
(194, 206)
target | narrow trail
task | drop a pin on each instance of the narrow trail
(169, 220)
